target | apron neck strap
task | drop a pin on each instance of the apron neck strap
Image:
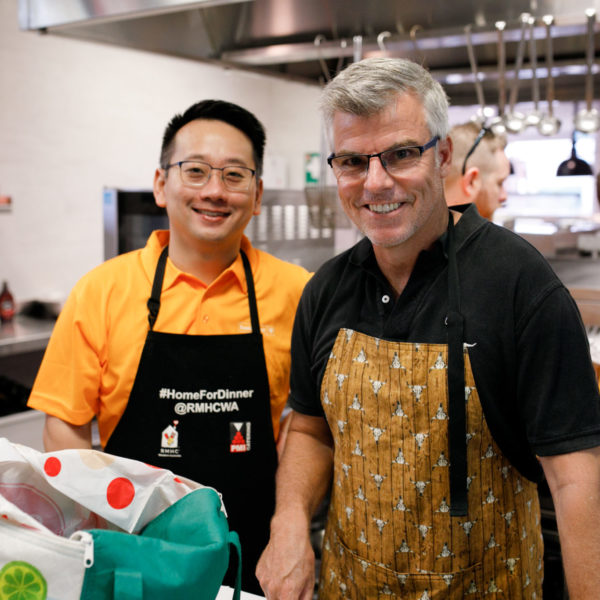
(159, 274)
(251, 294)
(457, 432)
(154, 300)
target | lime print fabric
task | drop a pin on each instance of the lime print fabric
(20, 580)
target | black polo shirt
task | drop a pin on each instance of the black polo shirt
(527, 344)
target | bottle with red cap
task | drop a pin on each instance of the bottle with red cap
(7, 304)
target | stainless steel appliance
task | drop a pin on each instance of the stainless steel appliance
(292, 225)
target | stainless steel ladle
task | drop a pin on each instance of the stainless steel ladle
(533, 117)
(514, 121)
(497, 123)
(549, 124)
(480, 117)
(587, 120)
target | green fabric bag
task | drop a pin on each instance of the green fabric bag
(182, 554)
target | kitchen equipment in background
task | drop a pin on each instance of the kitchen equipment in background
(482, 113)
(574, 165)
(288, 226)
(514, 121)
(381, 41)
(130, 216)
(534, 116)
(13, 396)
(276, 36)
(419, 56)
(549, 124)
(587, 120)
(318, 39)
(497, 123)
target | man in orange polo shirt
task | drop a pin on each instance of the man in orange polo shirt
(181, 350)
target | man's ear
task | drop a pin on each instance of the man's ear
(471, 183)
(159, 187)
(444, 149)
(258, 197)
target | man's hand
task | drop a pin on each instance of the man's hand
(286, 569)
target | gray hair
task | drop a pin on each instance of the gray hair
(366, 87)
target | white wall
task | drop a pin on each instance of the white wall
(77, 116)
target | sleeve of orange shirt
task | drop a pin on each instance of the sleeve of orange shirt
(68, 380)
(91, 359)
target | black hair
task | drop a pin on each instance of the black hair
(218, 110)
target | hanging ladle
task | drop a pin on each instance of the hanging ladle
(549, 124)
(514, 121)
(497, 123)
(381, 41)
(481, 116)
(587, 120)
(317, 42)
(534, 117)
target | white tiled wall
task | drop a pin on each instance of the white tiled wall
(76, 116)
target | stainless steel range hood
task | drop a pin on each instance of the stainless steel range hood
(43, 14)
(311, 39)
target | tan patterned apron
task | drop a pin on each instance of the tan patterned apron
(390, 532)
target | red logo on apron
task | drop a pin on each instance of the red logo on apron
(239, 437)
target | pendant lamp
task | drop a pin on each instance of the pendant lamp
(574, 165)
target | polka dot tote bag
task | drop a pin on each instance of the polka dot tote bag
(85, 524)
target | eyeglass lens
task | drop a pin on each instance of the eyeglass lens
(197, 173)
(392, 160)
(354, 167)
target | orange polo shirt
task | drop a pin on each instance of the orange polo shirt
(93, 354)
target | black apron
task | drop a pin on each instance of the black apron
(200, 406)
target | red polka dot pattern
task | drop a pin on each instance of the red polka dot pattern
(52, 466)
(120, 493)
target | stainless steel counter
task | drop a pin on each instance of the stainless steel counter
(24, 428)
(24, 334)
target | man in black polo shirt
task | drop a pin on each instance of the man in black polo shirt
(439, 370)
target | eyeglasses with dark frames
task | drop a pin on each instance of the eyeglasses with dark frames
(354, 167)
(196, 173)
(478, 139)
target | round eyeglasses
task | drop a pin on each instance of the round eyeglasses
(354, 167)
(196, 173)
